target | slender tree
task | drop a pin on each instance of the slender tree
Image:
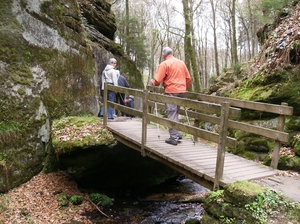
(214, 26)
(234, 41)
(189, 50)
(127, 26)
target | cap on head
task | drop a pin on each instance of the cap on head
(112, 60)
(166, 51)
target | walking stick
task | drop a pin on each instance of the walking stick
(187, 117)
(157, 125)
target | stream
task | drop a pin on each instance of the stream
(162, 204)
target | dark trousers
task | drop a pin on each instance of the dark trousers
(120, 99)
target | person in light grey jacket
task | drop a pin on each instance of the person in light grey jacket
(110, 75)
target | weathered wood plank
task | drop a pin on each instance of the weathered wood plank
(193, 159)
(271, 108)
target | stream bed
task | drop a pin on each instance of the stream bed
(162, 204)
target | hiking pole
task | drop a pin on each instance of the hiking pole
(157, 125)
(187, 117)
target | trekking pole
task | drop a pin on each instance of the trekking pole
(187, 117)
(157, 125)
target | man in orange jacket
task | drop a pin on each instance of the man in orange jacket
(176, 80)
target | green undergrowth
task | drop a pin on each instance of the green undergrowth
(246, 202)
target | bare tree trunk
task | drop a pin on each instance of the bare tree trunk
(127, 26)
(252, 28)
(189, 50)
(234, 42)
(215, 37)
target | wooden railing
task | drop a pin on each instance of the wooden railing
(202, 107)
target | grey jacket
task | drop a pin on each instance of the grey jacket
(110, 75)
(123, 82)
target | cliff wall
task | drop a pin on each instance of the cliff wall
(51, 55)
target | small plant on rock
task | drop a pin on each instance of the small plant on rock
(267, 204)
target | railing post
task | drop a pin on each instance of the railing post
(277, 145)
(222, 144)
(105, 97)
(196, 124)
(144, 122)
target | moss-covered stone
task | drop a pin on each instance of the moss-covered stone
(48, 70)
(246, 202)
(70, 134)
(242, 192)
(289, 163)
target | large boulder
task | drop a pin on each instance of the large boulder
(89, 152)
(52, 53)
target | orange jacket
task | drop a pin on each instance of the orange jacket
(173, 74)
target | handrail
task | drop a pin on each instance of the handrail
(283, 109)
(201, 107)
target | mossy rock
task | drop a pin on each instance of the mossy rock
(101, 199)
(207, 219)
(241, 193)
(192, 221)
(70, 134)
(289, 163)
(217, 206)
(296, 144)
(252, 143)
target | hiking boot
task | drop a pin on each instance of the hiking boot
(171, 141)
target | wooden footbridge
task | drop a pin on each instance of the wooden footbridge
(207, 164)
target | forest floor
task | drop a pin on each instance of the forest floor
(37, 201)
(286, 182)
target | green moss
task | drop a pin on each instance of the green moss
(289, 163)
(296, 144)
(76, 199)
(249, 155)
(21, 91)
(71, 133)
(246, 187)
(63, 200)
(101, 199)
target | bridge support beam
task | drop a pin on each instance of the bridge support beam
(222, 144)
(144, 117)
(277, 145)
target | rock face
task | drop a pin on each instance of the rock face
(52, 53)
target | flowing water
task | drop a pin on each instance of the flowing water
(161, 204)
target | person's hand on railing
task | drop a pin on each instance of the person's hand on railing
(151, 83)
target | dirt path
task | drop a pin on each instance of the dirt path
(286, 182)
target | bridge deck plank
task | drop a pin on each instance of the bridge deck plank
(196, 159)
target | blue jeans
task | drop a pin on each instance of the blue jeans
(110, 110)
